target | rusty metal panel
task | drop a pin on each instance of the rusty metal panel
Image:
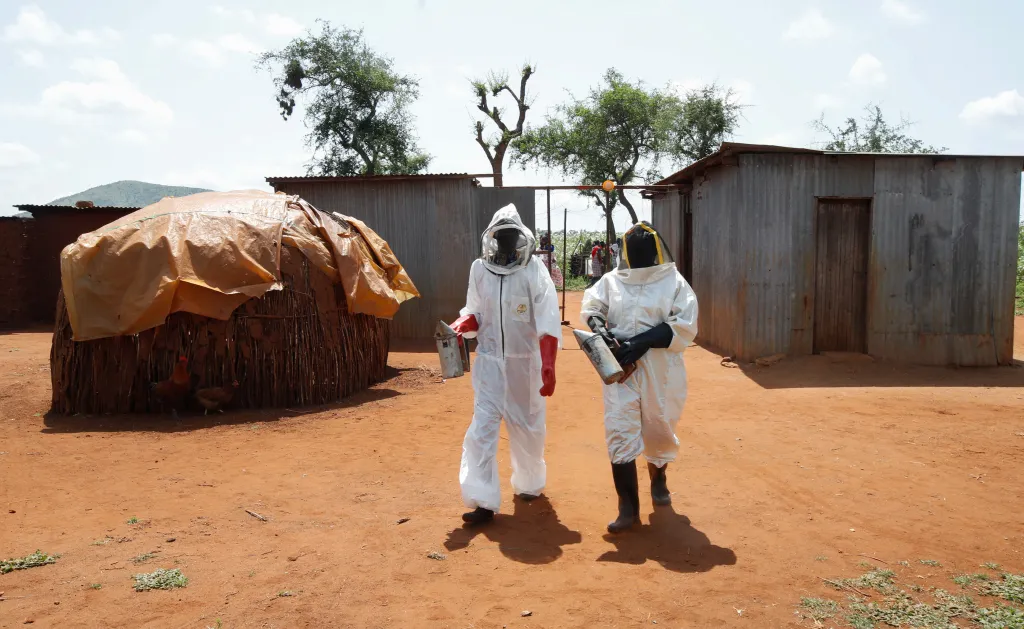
(432, 225)
(667, 218)
(840, 295)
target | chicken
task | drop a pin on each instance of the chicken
(173, 390)
(215, 398)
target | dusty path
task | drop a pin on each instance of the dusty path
(786, 475)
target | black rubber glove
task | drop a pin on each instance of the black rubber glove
(600, 326)
(660, 336)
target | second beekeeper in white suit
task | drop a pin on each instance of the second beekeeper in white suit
(647, 313)
(512, 306)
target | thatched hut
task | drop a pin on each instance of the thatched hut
(251, 287)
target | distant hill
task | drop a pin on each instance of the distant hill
(127, 194)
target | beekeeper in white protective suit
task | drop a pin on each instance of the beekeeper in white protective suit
(512, 306)
(647, 313)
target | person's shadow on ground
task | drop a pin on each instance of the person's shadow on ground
(533, 533)
(670, 540)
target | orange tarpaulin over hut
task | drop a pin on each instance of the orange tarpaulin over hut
(208, 253)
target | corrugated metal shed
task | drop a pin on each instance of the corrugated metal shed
(432, 222)
(57, 209)
(942, 250)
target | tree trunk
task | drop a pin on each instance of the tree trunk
(629, 207)
(496, 165)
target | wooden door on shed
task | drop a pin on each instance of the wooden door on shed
(841, 275)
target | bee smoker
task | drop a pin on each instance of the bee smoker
(453, 351)
(600, 355)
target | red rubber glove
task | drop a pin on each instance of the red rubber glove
(466, 324)
(548, 352)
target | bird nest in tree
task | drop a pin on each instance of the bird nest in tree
(293, 347)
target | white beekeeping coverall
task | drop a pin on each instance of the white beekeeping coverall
(641, 413)
(515, 306)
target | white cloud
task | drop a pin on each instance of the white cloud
(211, 53)
(273, 24)
(235, 42)
(811, 25)
(106, 91)
(13, 155)
(867, 70)
(132, 136)
(826, 101)
(163, 40)
(33, 26)
(899, 11)
(281, 25)
(32, 58)
(205, 51)
(742, 89)
(1008, 104)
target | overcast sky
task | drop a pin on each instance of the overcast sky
(166, 92)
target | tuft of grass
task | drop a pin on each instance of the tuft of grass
(437, 556)
(1010, 588)
(900, 610)
(133, 520)
(103, 542)
(866, 565)
(905, 564)
(931, 562)
(160, 580)
(143, 558)
(990, 565)
(967, 580)
(821, 558)
(818, 609)
(36, 559)
(285, 593)
(97, 586)
(880, 580)
(252, 573)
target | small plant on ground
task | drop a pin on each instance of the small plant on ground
(1000, 617)
(285, 593)
(36, 559)
(160, 580)
(143, 558)
(880, 580)
(133, 520)
(967, 580)
(931, 562)
(991, 565)
(97, 586)
(102, 542)
(905, 564)
(1010, 588)
(821, 558)
(818, 609)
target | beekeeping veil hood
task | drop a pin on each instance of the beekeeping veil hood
(507, 244)
(643, 247)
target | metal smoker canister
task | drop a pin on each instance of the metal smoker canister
(600, 355)
(450, 351)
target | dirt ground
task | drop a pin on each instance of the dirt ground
(786, 475)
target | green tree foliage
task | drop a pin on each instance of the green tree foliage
(357, 105)
(706, 117)
(497, 145)
(872, 134)
(622, 131)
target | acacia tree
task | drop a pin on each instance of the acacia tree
(707, 116)
(357, 109)
(622, 131)
(617, 132)
(872, 134)
(495, 147)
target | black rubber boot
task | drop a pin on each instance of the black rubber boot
(660, 495)
(478, 516)
(628, 489)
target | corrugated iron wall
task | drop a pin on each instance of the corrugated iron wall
(15, 310)
(433, 227)
(667, 218)
(942, 258)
